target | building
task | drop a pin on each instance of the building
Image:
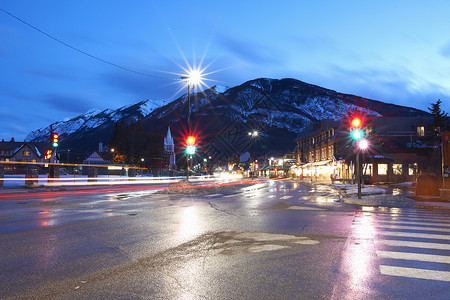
(25, 154)
(399, 149)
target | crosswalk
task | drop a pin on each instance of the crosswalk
(410, 243)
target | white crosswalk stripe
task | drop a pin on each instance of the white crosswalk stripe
(414, 234)
(414, 256)
(396, 243)
(414, 228)
(397, 217)
(285, 197)
(415, 273)
(416, 223)
(409, 244)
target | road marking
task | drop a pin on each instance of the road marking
(415, 273)
(414, 256)
(285, 197)
(213, 195)
(406, 214)
(296, 207)
(416, 235)
(417, 223)
(397, 243)
(414, 228)
(421, 218)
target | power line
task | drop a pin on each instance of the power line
(85, 53)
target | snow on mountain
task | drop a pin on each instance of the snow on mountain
(220, 89)
(95, 118)
(150, 105)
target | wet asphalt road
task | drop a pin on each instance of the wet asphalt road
(272, 240)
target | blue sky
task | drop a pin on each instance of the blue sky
(393, 51)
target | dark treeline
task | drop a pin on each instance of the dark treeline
(135, 145)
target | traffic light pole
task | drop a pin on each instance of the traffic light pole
(358, 173)
(189, 128)
(187, 168)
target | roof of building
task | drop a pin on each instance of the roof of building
(14, 147)
(400, 123)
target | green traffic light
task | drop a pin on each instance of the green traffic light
(357, 134)
(55, 145)
(190, 149)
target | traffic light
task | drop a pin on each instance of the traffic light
(55, 138)
(356, 130)
(190, 145)
(48, 154)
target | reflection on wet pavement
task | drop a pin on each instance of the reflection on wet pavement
(358, 264)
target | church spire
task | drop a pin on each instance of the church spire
(168, 140)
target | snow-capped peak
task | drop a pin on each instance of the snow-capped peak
(220, 89)
(90, 113)
(150, 105)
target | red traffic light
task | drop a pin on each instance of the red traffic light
(55, 138)
(356, 122)
(190, 140)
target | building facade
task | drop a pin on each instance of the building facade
(399, 149)
(16, 157)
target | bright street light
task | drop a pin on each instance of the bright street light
(363, 144)
(253, 133)
(193, 78)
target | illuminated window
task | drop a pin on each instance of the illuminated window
(382, 169)
(26, 153)
(397, 169)
(420, 130)
(368, 169)
(412, 169)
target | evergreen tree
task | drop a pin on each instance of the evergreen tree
(133, 142)
(440, 118)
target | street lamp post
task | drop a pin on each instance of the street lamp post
(193, 78)
(253, 134)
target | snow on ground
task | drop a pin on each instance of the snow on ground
(352, 189)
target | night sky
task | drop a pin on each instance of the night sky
(393, 51)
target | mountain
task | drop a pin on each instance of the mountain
(277, 109)
(94, 125)
(221, 118)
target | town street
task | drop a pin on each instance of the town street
(275, 239)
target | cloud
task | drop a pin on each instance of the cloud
(141, 87)
(445, 50)
(49, 74)
(250, 52)
(66, 103)
(397, 86)
(314, 46)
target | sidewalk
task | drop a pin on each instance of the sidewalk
(399, 196)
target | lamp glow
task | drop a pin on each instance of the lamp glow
(363, 144)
